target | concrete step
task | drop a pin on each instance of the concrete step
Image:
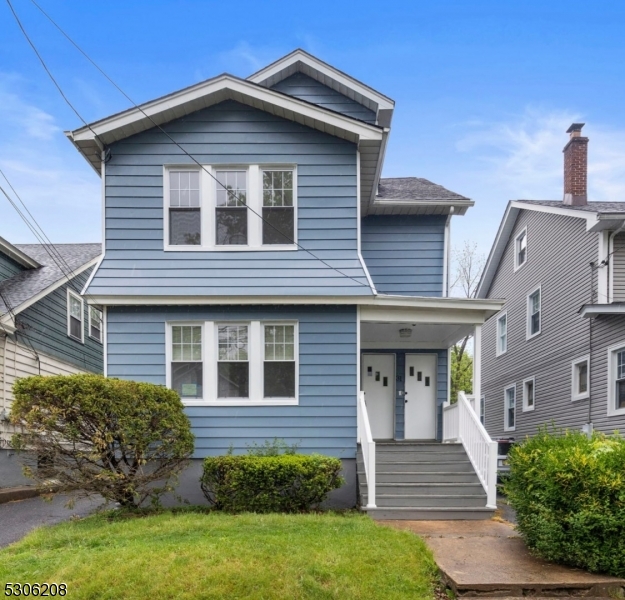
(428, 501)
(447, 489)
(457, 466)
(428, 514)
(419, 477)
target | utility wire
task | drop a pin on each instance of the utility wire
(230, 192)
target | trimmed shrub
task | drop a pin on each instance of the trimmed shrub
(285, 483)
(121, 439)
(568, 491)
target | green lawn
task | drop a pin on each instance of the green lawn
(193, 555)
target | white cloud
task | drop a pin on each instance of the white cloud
(34, 122)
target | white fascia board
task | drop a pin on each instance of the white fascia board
(556, 210)
(595, 310)
(383, 102)
(225, 82)
(17, 255)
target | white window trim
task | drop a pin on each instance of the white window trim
(256, 360)
(505, 408)
(101, 323)
(498, 351)
(528, 335)
(82, 316)
(526, 407)
(517, 266)
(208, 205)
(612, 411)
(574, 395)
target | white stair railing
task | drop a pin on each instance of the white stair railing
(365, 439)
(462, 424)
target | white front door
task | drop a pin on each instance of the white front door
(378, 384)
(420, 398)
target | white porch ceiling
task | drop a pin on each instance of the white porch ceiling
(423, 335)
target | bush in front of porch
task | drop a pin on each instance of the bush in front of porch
(568, 491)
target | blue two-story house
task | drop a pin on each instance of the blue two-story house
(255, 262)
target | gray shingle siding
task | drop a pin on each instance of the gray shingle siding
(231, 133)
(8, 267)
(325, 419)
(306, 88)
(405, 254)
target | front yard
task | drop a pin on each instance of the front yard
(193, 555)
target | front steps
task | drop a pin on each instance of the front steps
(423, 481)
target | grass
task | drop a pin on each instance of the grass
(191, 555)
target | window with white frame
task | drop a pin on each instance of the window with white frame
(233, 361)
(510, 408)
(95, 323)
(75, 312)
(529, 394)
(185, 223)
(533, 313)
(186, 361)
(483, 410)
(231, 208)
(580, 378)
(502, 334)
(278, 208)
(279, 361)
(616, 378)
(520, 245)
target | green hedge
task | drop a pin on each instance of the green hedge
(568, 491)
(285, 483)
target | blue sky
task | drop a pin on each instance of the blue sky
(484, 89)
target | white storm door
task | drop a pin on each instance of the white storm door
(420, 398)
(378, 384)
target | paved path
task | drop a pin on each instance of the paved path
(20, 517)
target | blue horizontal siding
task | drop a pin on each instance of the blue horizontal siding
(405, 254)
(325, 419)
(306, 88)
(231, 133)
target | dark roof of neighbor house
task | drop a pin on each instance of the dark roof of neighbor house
(598, 207)
(23, 286)
(414, 188)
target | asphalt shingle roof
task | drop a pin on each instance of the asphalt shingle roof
(29, 283)
(600, 207)
(414, 188)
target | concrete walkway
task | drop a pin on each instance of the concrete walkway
(488, 558)
(20, 517)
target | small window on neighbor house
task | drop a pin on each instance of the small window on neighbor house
(233, 361)
(619, 395)
(186, 360)
(529, 393)
(231, 210)
(521, 249)
(533, 313)
(510, 408)
(279, 361)
(74, 316)
(483, 410)
(278, 207)
(502, 334)
(581, 378)
(185, 227)
(95, 323)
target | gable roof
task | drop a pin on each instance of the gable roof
(599, 216)
(27, 287)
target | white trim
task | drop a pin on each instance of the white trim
(575, 395)
(612, 350)
(477, 361)
(105, 338)
(482, 404)
(526, 406)
(528, 335)
(261, 354)
(91, 307)
(449, 358)
(505, 407)
(446, 255)
(604, 279)
(498, 351)
(594, 310)
(72, 294)
(521, 233)
(359, 225)
(17, 255)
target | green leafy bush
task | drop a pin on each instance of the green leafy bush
(285, 483)
(121, 439)
(568, 491)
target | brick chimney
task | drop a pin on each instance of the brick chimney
(576, 167)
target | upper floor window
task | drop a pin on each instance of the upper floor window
(520, 249)
(75, 312)
(237, 208)
(502, 334)
(510, 408)
(534, 313)
(616, 379)
(95, 323)
(580, 382)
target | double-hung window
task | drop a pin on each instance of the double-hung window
(520, 249)
(502, 334)
(278, 208)
(95, 323)
(185, 223)
(534, 313)
(75, 312)
(186, 361)
(510, 408)
(233, 361)
(529, 394)
(616, 379)
(580, 378)
(231, 213)
(279, 361)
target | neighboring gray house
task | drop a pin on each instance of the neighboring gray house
(46, 327)
(255, 262)
(555, 353)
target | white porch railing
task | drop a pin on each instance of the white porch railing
(365, 439)
(462, 424)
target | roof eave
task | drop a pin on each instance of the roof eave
(589, 311)
(17, 255)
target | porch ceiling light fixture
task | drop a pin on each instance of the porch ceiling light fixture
(405, 332)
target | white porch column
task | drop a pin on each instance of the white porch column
(477, 365)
